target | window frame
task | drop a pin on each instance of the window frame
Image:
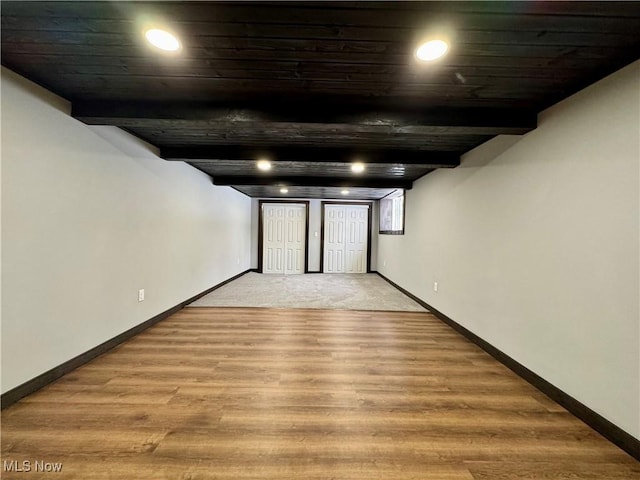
(388, 224)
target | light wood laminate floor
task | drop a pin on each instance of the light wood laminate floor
(232, 393)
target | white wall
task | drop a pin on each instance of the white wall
(534, 242)
(315, 225)
(89, 216)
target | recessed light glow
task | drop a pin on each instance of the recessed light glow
(432, 50)
(264, 165)
(284, 190)
(357, 167)
(162, 39)
(345, 192)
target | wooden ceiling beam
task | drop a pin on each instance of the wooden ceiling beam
(428, 159)
(289, 181)
(441, 120)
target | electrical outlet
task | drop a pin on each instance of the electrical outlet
(384, 263)
(238, 261)
(141, 295)
(435, 286)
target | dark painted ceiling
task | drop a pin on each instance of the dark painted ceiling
(316, 85)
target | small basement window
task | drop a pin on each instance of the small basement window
(392, 214)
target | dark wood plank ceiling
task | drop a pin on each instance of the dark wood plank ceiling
(315, 85)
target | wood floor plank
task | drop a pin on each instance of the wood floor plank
(231, 393)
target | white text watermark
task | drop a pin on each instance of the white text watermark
(26, 466)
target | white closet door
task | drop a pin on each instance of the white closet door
(346, 230)
(334, 238)
(294, 239)
(273, 216)
(357, 226)
(283, 238)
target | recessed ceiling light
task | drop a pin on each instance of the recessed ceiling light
(432, 50)
(264, 165)
(162, 39)
(284, 190)
(345, 192)
(357, 167)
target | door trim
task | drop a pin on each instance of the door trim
(369, 220)
(306, 230)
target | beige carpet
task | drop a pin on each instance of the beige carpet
(323, 291)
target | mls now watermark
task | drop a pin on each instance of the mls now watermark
(26, 466)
